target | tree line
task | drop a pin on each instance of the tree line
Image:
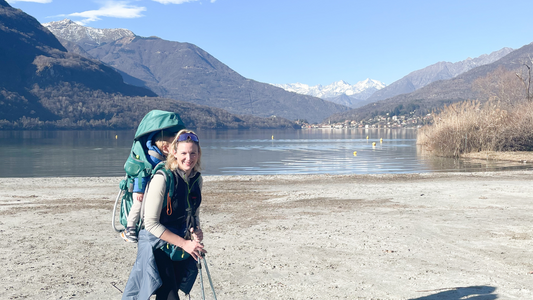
(77, 107)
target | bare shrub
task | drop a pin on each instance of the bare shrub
(472, 127)
(501, 85)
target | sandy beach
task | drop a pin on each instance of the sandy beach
(412, 236)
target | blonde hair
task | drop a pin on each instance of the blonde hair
(172, 162)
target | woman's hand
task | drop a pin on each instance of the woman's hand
(194, 248)
(197, 235)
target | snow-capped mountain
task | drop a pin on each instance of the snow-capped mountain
(337, 91)
(86, 37)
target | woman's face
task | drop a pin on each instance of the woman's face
(187, 156)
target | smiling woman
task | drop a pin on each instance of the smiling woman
(186, 152)
(171, 241)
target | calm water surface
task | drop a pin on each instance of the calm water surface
(234, 152)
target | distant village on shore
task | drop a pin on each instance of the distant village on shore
(375, 122)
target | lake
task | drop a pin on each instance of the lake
(235, 152)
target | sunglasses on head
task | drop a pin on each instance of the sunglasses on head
(188, 136)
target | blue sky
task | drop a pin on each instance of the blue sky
(313, 42)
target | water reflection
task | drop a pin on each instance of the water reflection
(234, 152)
(442, 164)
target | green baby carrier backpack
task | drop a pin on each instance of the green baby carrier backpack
(137, 164)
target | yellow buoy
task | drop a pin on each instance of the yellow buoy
(380, 141)
(116, 137)
(373, 144)
(272, 137)
(355, 153)
(367, 137)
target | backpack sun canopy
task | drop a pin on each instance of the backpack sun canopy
(159, 120)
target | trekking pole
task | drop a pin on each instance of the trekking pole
(199, 264)
(209, 277)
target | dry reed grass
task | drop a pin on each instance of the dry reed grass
(470, 126)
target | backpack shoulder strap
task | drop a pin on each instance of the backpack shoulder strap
(169, 176)
(158, 167)
(170, 186)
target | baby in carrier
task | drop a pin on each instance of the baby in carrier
(158, 147)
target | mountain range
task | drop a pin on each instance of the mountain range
(185, 72)
(439, 93)
(44, 86)
(370, 91)
(112, 77)
(339, 92)
(439, 71)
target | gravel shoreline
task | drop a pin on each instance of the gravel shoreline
(393, 236)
